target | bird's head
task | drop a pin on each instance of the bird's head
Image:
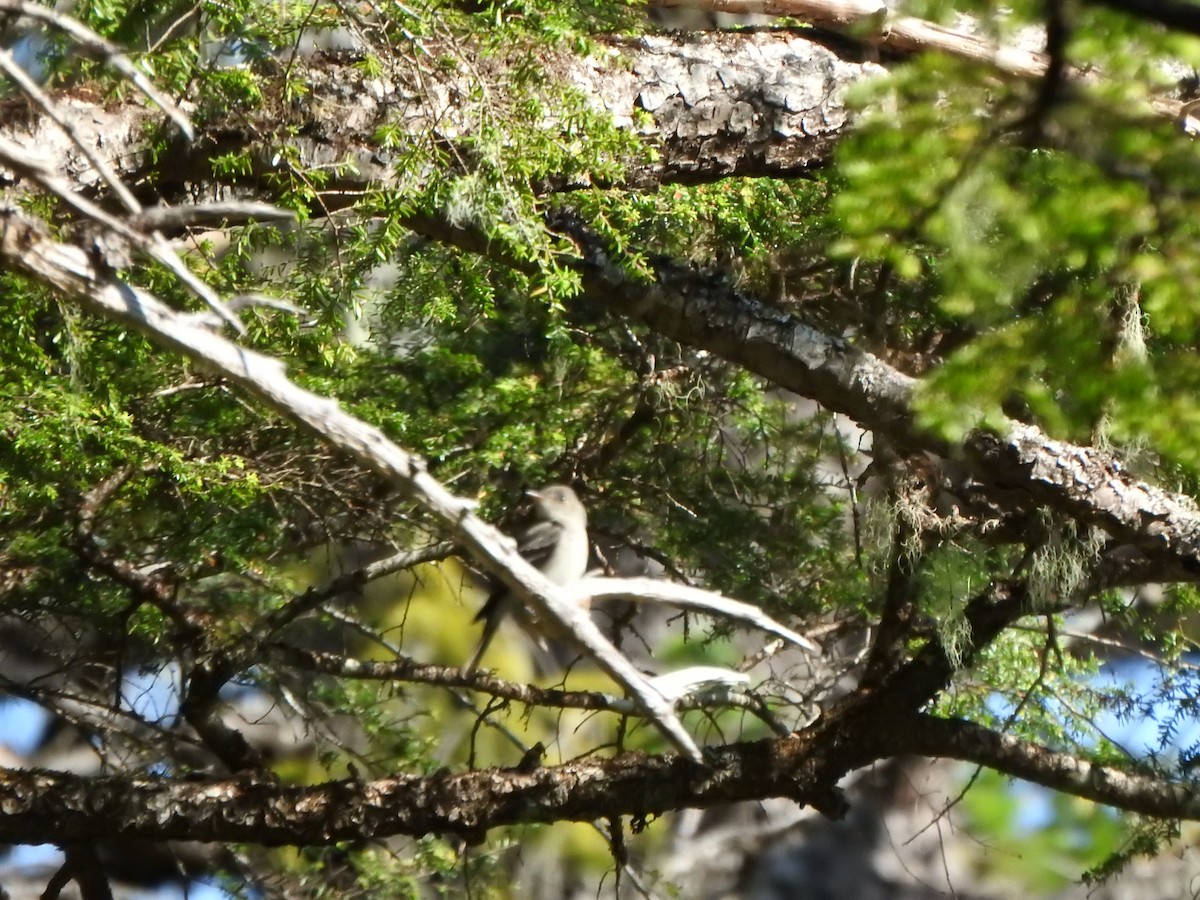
(557, 503)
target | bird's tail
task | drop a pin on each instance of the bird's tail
(491, 614)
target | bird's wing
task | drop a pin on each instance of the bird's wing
(535, 545)
(538, 541)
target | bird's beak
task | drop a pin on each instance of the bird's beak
(533, 495)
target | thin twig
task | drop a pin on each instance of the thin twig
(407, 670)
(98, 46)
(153, 245)
(52, 111)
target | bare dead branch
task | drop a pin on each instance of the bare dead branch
(653, 590)
(210, 215)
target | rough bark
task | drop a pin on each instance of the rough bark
(704, 310)
(731, 104)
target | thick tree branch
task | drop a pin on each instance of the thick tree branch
(85, 868)
(746, 104)
(962, 740)
(702, 309)
(918, 681)
(43, 806)
(899, 605)
(874, 23)
(705, 311)
(734, 104)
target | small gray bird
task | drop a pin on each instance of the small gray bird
(556, 544)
